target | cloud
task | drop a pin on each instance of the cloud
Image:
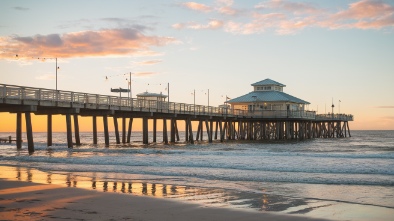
(197, 6)
(293, 7)
(106, 42)
(365, 14)
(150, 62)
(226, 7)
(228, 11)
(20, 8)
(212, 24)
(286, 17)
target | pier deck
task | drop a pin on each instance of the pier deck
(233, 124)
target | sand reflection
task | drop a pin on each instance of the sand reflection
(205, 196)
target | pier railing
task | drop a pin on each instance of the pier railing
(335, 117)
(13, 94)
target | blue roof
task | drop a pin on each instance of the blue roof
(267, 82)
(267, 96)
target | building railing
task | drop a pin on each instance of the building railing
(14, 94)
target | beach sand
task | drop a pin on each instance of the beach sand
(31, 201)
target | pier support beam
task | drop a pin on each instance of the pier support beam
(154, 129)
(94, 129)
(29, 131)
(165, 137)
(116, 130)
(145, 130)
(129, 130)
(69, 131)
(186, 130)
(49, 130)
(172, 130)
(106, 133)
(76, 130)
(123, 130)
(18, 130)
(191, 139)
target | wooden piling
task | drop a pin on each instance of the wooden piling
(49, 130)
(172, 127)
(145, 137)
(76, 130)
(94, 122)
(123, 130)
(154, 129)
(186, 130)
(176, 131)
(29, 131)
(69, 131)
(18, 130)
(129, 130)
(165, 136)
(191, 139)
(106, 133)
(116, 130)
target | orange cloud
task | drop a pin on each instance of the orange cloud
(365, 14)
(286, 17)
(197, 6)
(108, 42)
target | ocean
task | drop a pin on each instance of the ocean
(340, 178)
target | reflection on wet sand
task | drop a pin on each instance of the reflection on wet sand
(206, 196)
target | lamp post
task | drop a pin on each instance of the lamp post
(56, 72)
(194, 100)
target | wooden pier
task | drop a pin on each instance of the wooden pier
(218, 123)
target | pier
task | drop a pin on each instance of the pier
(218, 123)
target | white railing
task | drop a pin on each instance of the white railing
(13, 94)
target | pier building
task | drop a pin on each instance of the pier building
(268, 95)
(282, 117)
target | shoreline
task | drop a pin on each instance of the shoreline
(212, 198)
(26, 200)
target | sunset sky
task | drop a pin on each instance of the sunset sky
(321, 50)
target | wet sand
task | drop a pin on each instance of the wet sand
(31, 201)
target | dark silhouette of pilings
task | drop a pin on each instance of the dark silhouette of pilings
(216, 128)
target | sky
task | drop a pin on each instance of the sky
(339, 51)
